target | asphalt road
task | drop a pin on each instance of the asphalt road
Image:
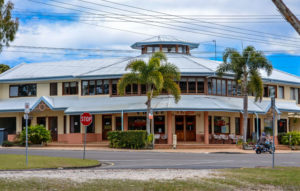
(165, 160)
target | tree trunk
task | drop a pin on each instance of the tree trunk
(288, 15)
(148, 112)
(245, 105)
(245, 118)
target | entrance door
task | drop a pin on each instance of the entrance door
(179, 127)
(53, 127)
(106, 125)
(185, 128)
(190, 128)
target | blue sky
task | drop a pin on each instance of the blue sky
(52, 26)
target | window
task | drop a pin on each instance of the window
(24, 123)
(221, 124)
(159, 124)
(281, 92)
(143, 89)
(9, 124)
(74, 123)
(209, 124)
(53, 89)
(114, 85)
(219, 86)
(91, 127)
(293, 93)
(192, 85)
(229, 88)
(118, 123)
(96, 87)
(224, 87)
(41, 121)
(237, 126)
(269, 91)
(136, 123)
(200, 85)
(23, 90)
(183, 85)
(268, 126)
(70, 88)
(65, 124)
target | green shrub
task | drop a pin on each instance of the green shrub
(37, 134)
(279, 136)
(132, 139)
(7, 144)
(291, 138)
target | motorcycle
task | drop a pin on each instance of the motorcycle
(263, 148)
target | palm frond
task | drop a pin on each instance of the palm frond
(131, 78)
(172, 88)
(255, 85)
(136, 65)
(170, 71)
(160, 55)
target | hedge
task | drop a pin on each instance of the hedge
(132, 139)
(36, 134)
(290, 138)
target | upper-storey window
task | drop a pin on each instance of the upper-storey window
(114, 85)
(53, 89)
(280, 92)
(70, 88)
(94, 87)
(23, 90)
(223, 87)
(191, 85)
(270, 91)
(293, 93)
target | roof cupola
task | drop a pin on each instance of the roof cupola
(164, 43)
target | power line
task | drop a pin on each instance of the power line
(218, 34)
(183, 17)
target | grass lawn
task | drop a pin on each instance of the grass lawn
(230, 179)
(11, 161)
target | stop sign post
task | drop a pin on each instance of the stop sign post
(85, 119)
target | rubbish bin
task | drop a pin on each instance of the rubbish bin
(3, 135)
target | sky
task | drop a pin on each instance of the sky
(111, 29)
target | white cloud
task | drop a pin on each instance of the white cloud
(79, 35)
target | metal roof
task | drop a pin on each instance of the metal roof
(163, 39)
(106, 104)
(115, 68)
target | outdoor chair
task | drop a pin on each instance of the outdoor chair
(157, 138)
(164, 139)
(224, 138)
(217, 138)
(233, 138)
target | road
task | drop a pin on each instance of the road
(167, 160)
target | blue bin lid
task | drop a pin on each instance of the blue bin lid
(2, 129)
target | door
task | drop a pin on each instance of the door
(179, 127)
(53, 127)
(185, 128)
(190, 128)
(106, 125)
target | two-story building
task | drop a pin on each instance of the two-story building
(210, 106)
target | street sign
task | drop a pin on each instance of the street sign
(27, 108)
(86, 119)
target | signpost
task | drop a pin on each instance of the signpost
(26, 111)
(85, 119)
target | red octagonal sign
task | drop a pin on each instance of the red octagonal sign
(86, 119)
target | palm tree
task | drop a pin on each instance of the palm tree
(156, 75)
(246, 70)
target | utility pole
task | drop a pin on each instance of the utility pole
(274, 122)
(288, 15)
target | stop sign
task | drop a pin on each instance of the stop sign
(86, 119)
